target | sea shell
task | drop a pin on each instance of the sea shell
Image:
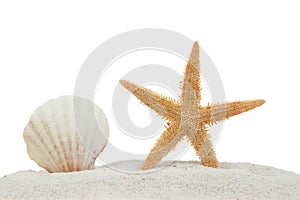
(66, 134)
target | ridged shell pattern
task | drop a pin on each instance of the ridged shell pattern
(66, 134)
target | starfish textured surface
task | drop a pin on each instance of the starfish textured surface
(187, 117)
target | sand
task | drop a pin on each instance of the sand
(181, 180)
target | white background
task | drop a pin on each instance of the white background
(254, 45)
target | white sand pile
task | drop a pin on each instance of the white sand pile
(181, 180)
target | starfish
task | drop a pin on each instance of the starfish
(187, 117)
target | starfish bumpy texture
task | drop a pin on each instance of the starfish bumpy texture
(187, 117)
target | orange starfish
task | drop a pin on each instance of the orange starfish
(187, 117)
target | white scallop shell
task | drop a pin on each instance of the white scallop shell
(66, 134)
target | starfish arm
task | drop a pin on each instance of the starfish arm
(203, 147)
(189, 104)
(192, 70)
(208, 155)
(166, 143)
(163, 106)
(218, 112)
